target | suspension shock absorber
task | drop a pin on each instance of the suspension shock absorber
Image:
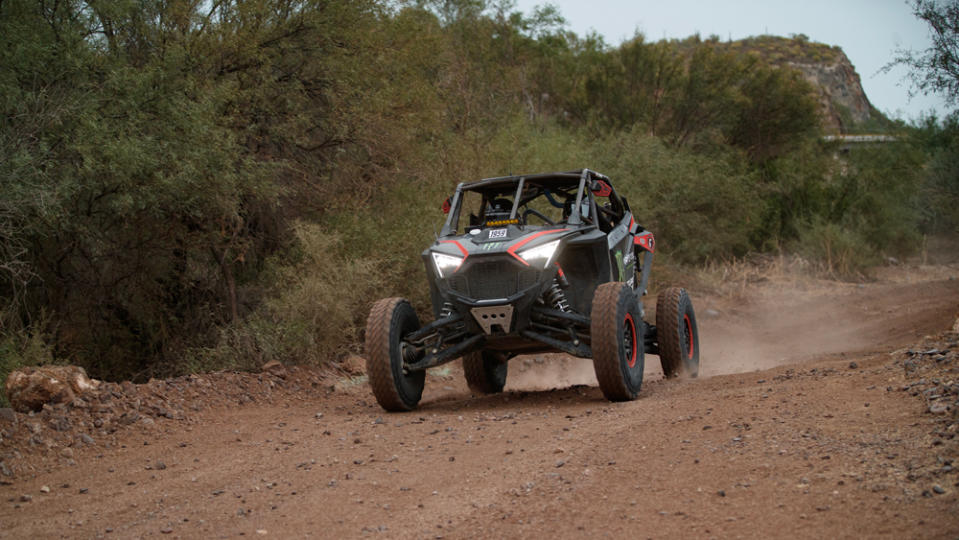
(446, 310)
(556, 297)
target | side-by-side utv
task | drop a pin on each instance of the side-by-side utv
(536, 263)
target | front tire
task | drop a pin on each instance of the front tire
(677, 333)
(390, 320)
(617, 331)
(485, 371)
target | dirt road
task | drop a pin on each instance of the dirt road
(803, 425)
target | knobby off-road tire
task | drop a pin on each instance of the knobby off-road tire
(485, 371)
(390, 320)
(617, 332)
(677, 333)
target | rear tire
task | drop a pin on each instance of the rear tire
(677, 333)
(485, 371)
(617, 332)
(391, 319)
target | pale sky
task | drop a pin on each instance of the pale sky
(868, 31)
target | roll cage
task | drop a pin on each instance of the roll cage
(563, 190)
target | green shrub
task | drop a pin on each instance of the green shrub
(700, 207)
(837, 251)
(315, 311)
(939, 192)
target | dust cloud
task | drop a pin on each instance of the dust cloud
(549, 371)
(774, 325)
(783, 329)
(780, 331)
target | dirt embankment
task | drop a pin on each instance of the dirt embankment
(824, 409)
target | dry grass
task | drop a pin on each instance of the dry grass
(769, 274)
(742, 279)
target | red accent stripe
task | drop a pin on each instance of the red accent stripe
(523, 242)
(632, 328)
(646, 241)
(561, 273)
(692, 338)
(462, 249)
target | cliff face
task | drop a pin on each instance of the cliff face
(842, 102)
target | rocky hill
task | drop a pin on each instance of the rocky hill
(844, 105)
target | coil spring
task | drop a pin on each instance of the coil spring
(446, 311)
(556, 297)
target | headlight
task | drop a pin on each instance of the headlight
(446, 264)
(540, 254)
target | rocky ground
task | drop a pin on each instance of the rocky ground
(46, 439)
(799, 428)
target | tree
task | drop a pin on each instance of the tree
(145, 156)
(935, 70)
(778, 112)
(707, 96)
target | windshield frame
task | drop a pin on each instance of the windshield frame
(500, 185)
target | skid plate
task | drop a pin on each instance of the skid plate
(489, 317)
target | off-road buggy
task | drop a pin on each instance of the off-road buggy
(525, 264)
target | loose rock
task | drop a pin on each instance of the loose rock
(30, 388)
(939, 408)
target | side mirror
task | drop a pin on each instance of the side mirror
(447, 206)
